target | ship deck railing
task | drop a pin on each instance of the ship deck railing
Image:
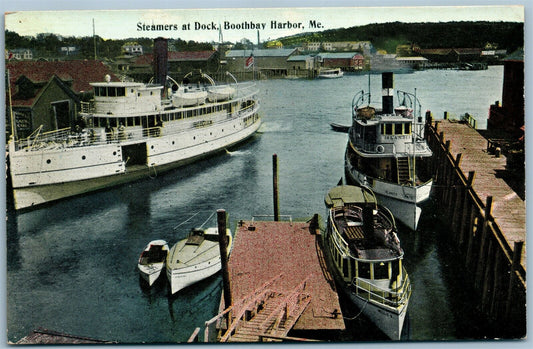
(389, 297)
(243, 90)
(66, 138)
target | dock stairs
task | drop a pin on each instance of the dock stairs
(403, 169)
(268, 316)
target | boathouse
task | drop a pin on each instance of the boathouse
(270, 63)
(49, 93)
(347, 61)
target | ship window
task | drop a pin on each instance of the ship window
(137, 120)
(121, 91)
(130, 121)
(364, 270)
(113, 122)
(165, 117)
(408, 129)
(381, 270)
(112, 92)
(398, 129)
(388, 129)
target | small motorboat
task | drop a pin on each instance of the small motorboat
(339, 128)
(195, 258)
(152, 260)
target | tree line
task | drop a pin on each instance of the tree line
(504, 35)
(386, 36)
(49, 45)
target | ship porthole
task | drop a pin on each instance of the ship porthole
(48, 161)
(380, 149)
(114, 153)
(173, 142)
(83, 157)
(152, 147)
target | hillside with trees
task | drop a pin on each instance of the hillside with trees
(386, 36)
(48, 45)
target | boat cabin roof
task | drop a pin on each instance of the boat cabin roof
(117, 84)
(348, 194)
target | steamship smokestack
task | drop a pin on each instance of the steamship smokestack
(387, 91)
(160, 60)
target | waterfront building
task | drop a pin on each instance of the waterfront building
(49, 93)
(267, 62)
(347, 61)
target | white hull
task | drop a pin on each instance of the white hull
(56, 171)
(151, 273)
(189, 262)
(401, 200)
(179, 279)
(148, 268)
(185, 97)
(219, 93)
(331, 74)
(388, 320)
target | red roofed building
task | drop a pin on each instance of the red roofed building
(179, 64)
(48, 93)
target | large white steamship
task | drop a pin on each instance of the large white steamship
(131, 132)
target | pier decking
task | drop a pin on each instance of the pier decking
(280, 269)
(486, 220)
(508, 209)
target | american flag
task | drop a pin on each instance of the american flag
(249, 61)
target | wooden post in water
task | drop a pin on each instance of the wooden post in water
(464, 226)
(275, 186)
(517, 256)
(223, 244)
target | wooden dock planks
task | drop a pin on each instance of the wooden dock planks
(263, 250)
(508, 209)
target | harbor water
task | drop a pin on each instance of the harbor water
(72, 265)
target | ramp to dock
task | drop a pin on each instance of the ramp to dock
(280, 282)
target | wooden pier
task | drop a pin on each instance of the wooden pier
(486, 217)
(280, 286)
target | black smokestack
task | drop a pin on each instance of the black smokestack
(160, 60)
(387, 101)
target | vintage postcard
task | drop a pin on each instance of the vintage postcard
(277, 174)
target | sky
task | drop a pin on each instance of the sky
(237, 20)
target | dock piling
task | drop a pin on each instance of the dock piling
(223, 244)
(275, 186)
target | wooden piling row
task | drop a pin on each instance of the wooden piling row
(498, 274)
